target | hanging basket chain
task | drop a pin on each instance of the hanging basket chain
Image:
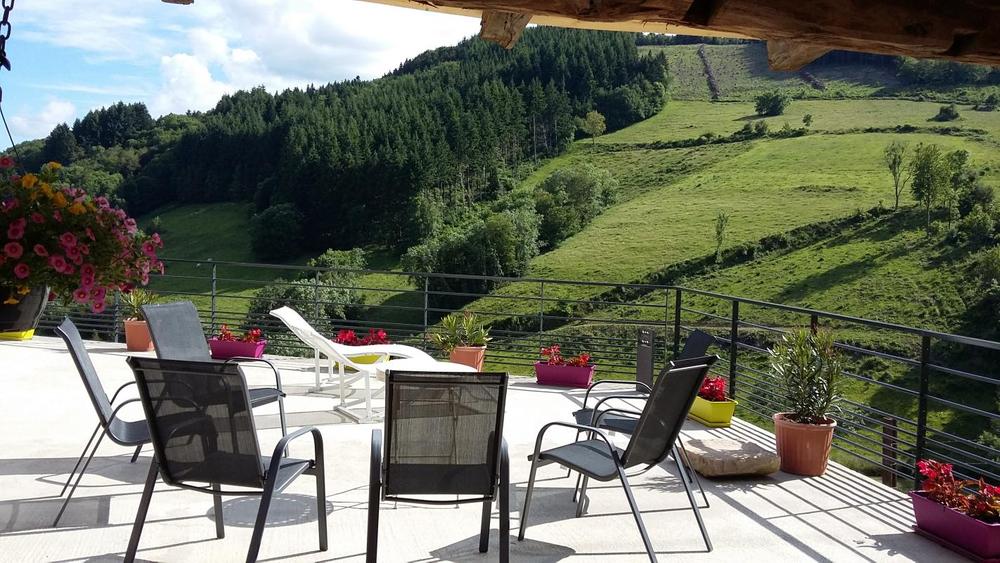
(5, 29)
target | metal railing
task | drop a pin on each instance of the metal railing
(912, 393)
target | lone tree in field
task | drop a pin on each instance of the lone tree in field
(721, 222)
(593, 125)
(930, 175)
(894, 156)
(771, 103)
(807, 120)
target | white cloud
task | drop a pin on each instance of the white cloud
(40, 124)
(187, 85)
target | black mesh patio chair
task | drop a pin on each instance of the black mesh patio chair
(623, 420)
(651, 442)
(122, 432)
(443, 436)
(204, 438)
(177, 335)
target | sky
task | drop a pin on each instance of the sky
(71, 56)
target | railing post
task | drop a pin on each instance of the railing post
(814, 323)
(316, 296)
(423, 336)
(116, 319)
(541, 310)
(889, 451)
(677, 322)
(925, 361)
(215, 280)
(734, 334)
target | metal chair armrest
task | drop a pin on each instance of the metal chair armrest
(277, 374)
(276, 457)
(114, 413)
(579, 427)
(120, 389)
(602, 414)
(603, 400)
(618, 381)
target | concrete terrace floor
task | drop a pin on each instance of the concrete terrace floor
(45, 419)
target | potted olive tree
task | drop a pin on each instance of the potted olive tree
(463, 337)
(807, 367)
(137, 338)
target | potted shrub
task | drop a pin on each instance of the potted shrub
(227, 345)
(137, 337)
(713, 407)
(961, 514)
(350, 338)
(56, 241)
(556, 370)
(463, 338)
(807, 367)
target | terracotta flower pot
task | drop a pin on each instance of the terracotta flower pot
(804, 449)
(472, 356)
(137, 338)
(714, 414)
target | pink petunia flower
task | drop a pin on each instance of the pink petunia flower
(6, 162)
(99, 293)
(149, 249)
(84, 249)
(130, 226)
(57, 216)
(22, 271)
(88, 270)
(97, 306)
(90, 233)
(81, 295)
(13, 250)
(67, 239)
(37, 217)
(40, 250)
(9, 204)
(58, 263)
(102, 202)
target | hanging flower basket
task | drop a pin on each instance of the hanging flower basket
(19, 316)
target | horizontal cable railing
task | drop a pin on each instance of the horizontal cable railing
(915, 393)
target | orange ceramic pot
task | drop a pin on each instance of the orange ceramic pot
(472, 356)
(137, 338)
(804, 449)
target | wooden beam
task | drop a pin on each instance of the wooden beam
(791, 55)
(503, 28)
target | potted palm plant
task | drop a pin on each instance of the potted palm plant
(557, 370)
(463, 337)
(961, 514)
(58, 242)
(137, 337)
(807, 366)
(713, 407)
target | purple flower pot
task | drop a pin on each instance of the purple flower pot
(955, 530)
(225, 349)
(564, 376)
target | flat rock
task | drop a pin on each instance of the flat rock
(719, 457)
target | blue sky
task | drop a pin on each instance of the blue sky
(71, 56)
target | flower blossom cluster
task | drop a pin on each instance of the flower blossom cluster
(713, 389)
(978, 499)
(58, 236)
(251, 336)
(350, 338)
(555, 357)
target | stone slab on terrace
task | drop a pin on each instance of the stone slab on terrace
(45, 419)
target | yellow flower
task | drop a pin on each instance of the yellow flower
(77, 209)
(11, 301)
(47, 190)
(23, 290)
(54, 165)
(59, 200)
(29, 180)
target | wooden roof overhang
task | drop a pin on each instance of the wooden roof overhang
(796, 31)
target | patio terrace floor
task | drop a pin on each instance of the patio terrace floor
(45, 418)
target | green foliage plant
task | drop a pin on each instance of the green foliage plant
(593, 124)
(947, 113)
(276, 233)
(460, 331)
(569, 199)
(771, 103)
(930, 175)
(721, 222)
(134, 300)
(808, 366)
(894, 156)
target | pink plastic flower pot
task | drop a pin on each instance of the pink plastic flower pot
(225, 349)
(564, 376)
(953, 529)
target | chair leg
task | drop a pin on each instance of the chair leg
(281, 417)
(80, 460)
(694, 506)
(321, 498)
(258, 527)
(527, 498)
(220, 523)
(576, 488)
(374, 496)
(135, 455)
(484, 529)
(78, 478)
(140, 515)
(581, 504)
(637, 515)
(692, 474)
(504, 504)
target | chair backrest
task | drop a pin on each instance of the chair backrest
(91, 382)
(200, 422)
(443, 433)
(696, 345)
(311, 337)
(176, 331)
(666, 408)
